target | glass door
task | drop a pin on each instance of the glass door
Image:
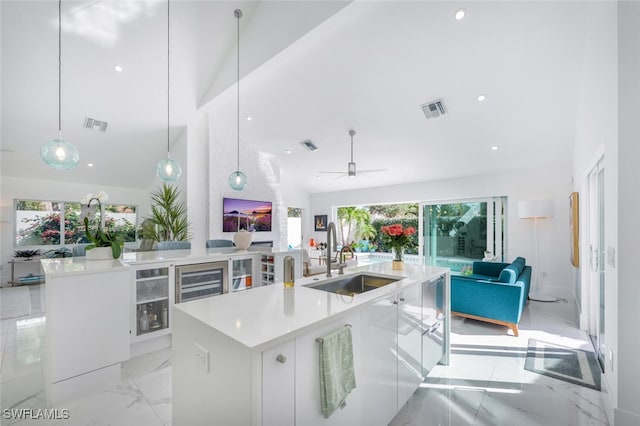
(457, 233)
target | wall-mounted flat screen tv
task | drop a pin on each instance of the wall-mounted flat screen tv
(246, 214)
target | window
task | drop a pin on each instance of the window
(460, 232)
(51, 223)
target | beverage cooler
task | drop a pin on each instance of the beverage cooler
(200, 280)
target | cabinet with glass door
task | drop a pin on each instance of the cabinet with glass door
(242, 273)
(153, 296)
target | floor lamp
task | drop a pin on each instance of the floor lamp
(536, 210)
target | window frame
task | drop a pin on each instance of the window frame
(62, 210)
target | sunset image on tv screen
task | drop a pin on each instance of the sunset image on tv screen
(245, 214)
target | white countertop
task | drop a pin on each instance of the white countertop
(262, 315)
(75, 265)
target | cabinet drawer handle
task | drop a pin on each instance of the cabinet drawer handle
(402, 299)
(395, 302)
(281, 359)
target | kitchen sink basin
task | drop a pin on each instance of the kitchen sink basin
(354, 284)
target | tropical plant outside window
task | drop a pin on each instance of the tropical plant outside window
(361, 226)
(54, 223)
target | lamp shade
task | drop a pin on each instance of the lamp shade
(60, 154)
(238, 180)
(535, 209)
(168, 170)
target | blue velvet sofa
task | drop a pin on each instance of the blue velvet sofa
(494, 292)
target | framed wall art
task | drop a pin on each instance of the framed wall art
(574, 228)
(320, 222)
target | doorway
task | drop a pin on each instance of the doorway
(596, 275)
(457, 233)
(294, 227)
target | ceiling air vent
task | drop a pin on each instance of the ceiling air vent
(92, 123)
(309, 145)
(434, 109)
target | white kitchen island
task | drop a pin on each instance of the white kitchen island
(251, 358)
(91, 312)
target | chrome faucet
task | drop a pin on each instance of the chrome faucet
(331, 231)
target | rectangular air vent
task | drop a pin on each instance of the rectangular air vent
(309, 145)
(92, 123)
(434, 109)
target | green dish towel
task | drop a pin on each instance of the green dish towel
(337, 378)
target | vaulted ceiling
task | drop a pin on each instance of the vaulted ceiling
(311, 70)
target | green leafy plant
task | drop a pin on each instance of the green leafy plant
(100, 237)
(168, 219)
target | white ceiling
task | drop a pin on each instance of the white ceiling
(313, 71)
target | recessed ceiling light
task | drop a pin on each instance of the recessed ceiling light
(287, 151)
(249, 118)
(481, 98)
(118, 68)
(90, 164)
(495, 148)
(460, 14)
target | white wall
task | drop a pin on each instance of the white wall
(596, 137)
(552, 183)
(264, 183)
(628, 300)
(20, 188)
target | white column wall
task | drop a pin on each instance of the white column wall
(264, 183)
(627, 367)
(552, 182)
(596, 137)
(197, 182)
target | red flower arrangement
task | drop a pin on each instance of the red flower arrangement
(398, 238)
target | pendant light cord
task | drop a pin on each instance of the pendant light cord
(238, 14)
(168, 92)
(59, 69)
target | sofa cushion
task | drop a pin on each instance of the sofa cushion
(511, 273)
(520, 264)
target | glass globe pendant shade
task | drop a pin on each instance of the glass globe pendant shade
(60, 154)
(168, 170)
(238, 180)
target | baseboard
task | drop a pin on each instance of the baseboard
(625, 418)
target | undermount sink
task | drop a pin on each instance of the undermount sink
(354, 284)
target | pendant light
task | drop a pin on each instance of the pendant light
(168, 169)
(237, 179)
(58, 153)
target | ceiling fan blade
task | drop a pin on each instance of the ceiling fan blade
(372, 170)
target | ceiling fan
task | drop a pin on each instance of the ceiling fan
(351, 168)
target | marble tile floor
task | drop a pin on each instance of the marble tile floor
(485, 383)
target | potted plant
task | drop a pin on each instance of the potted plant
(168, 219)
(398, 238)
(100, 237)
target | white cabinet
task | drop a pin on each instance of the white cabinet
(392, 329)
(409, 342)
(307, 407)
(278, 385)
(87, 331)
(242, 272)
(153, 295)
(380, 372)
(267, 269)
